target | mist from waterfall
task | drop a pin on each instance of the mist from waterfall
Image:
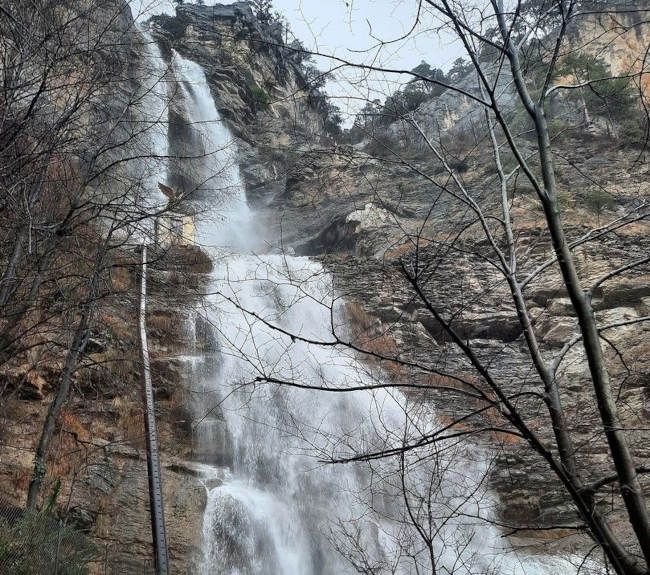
(155, 105)
(146, 140)
(273, 507)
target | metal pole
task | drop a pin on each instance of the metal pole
(153, 459)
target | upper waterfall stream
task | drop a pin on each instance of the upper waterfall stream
(273, 507)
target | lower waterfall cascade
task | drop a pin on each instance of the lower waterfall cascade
(273, 506)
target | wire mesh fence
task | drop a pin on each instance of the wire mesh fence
(34, 542)
(39, 543)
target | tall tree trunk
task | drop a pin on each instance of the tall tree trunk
(74, 354)
(65, 380)
(623, 461)
(8, 336)
(630, 487)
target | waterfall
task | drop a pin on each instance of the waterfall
(273, 508)
(211, 175)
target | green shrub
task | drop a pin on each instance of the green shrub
(632, 132)
(525, 188)
(598, 200)
(520, 121)
(259, 96)
(459, 164)
(508, 163)
(558, 127)
(565, 202)
(611, 97)
(381, 145)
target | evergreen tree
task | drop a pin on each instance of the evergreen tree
(263, 10)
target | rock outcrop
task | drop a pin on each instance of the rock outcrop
(259, 90)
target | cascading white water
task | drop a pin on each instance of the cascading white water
(276, 509)
(226, 217)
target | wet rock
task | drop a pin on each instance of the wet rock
(187, 468)
(339, 236)
(166, 377)
(205, 338)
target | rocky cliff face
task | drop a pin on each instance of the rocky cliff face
(376, 214)
(100, 456)
(377, 210)
(97, 470)
(258, 88)
(620, 38)
(359, 214)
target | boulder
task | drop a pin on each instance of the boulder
(556, 331)
(371, 216)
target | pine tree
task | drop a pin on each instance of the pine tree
(262, 9)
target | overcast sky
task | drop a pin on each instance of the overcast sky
(353, 29)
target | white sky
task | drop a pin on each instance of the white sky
(353, 29)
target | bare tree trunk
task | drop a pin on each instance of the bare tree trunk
(623, 461)
(8, 336)
(74, 354)
(585, 110)
(630, 487)
(622, 561)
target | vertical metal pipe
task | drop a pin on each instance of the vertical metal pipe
(153, 459)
